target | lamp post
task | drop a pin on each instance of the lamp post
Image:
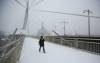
(89, 23)
(64, 23)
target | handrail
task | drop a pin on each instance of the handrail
(85, 38)
(82, 41)
(78, 38)
(8, 49)
(7, 45)
(89, 42)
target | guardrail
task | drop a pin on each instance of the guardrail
(10, 52)
(89, 45)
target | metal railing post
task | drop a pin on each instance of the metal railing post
(76, 43)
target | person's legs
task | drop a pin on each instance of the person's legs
(40, 49)
(43, 49)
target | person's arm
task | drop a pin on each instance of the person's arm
(43, 39)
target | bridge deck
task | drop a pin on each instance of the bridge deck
(54, 54)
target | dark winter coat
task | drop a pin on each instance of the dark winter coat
(41, 42)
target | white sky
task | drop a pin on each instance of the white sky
(13, 15)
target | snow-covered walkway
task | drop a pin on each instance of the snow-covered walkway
(54, 54)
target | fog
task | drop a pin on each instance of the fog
(12, 16)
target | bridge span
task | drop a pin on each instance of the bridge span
(55, 53)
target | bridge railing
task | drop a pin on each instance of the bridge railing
(89, 45)
(10, 52)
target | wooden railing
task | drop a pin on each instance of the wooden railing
(10, 52)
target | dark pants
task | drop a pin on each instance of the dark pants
(43, 49)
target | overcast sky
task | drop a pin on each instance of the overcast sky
(13, 16)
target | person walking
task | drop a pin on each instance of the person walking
(41, 44)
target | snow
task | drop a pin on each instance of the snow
(54, 54)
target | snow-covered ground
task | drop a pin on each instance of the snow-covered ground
(54, 54)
